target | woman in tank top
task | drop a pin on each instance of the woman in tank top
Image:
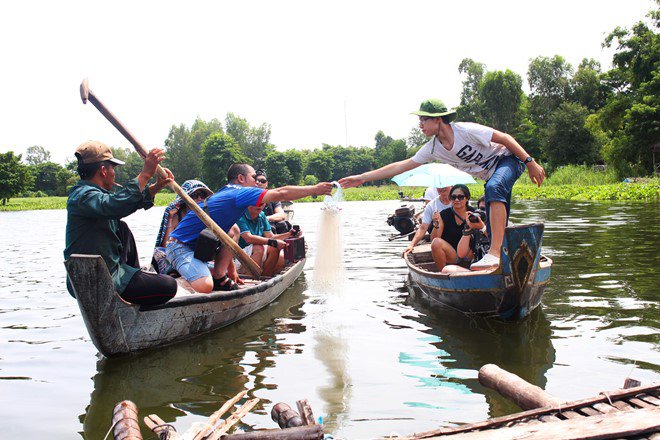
(448, 227)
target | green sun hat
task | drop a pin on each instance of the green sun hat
(434, 108)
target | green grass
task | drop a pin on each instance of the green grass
(568, 183)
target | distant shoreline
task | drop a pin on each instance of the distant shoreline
(641, 192)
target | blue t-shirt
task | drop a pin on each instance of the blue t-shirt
(224, 207)
(255, 227)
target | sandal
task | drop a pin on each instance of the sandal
(224, 284)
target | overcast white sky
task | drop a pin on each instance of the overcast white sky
(305, 67)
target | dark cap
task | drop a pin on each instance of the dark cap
(95, 151)
(261, 173)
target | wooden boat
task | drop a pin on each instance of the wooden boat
(510, 292)
(118, 328)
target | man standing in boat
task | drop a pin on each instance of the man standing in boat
(93, 221)
(481, 151)
(225, 207)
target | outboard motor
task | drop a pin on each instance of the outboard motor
(403, 220)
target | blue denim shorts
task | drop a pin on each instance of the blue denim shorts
(182, 258)
(500, 185)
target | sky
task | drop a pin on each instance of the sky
(332, 72)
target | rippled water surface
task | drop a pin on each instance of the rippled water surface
(371, 361)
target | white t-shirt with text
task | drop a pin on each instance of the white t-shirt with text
(472, 152)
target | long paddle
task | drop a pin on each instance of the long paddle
(86, 94)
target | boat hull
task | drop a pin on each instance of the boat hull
(119, 328)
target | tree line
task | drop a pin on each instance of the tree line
(571, 115)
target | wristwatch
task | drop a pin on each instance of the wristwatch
(528, 160)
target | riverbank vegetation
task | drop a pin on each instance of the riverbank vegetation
(571, 116)
(568, 183)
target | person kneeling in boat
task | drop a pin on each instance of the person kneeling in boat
(259, 242)
(475, 242)
(93, 224)
(225, 207)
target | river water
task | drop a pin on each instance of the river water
(370, 361)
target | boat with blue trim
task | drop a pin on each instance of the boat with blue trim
(509, 292)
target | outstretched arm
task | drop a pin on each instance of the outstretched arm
(286, 193)
(385, 172)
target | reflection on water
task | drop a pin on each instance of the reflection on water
(370, 358)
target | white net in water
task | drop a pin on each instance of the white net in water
(328, 267)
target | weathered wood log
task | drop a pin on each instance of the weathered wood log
(308, 432)
(521, 392)
(285, 416)
(306, 412)
(125, 421)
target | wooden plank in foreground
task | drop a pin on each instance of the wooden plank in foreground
(613, 425)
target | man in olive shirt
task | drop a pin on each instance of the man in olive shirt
(94, 226)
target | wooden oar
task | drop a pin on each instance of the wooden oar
(86, 94)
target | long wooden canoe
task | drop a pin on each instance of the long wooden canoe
(510, 292)
(118, 328)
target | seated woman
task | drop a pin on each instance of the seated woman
(174, 212)
(475, 242)
(448, 227)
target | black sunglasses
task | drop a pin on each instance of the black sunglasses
(198, 194)
(457, 196)
(262, 180)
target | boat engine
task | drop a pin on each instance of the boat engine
(403, 220)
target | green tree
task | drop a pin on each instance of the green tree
(132, 167)
(184, 147)
(588, 87)
(252, 140)
(470, 108)
(36, 155)
(15, 177)
(416, 138)
(631, 118)
(51, 178)
(501, 94)
(294, 163)
(278, 172)
(219, 152)
(569, 140)
(320, 164)
(549, 83)
(383, 153)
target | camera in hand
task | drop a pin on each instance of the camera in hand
(295, 230)
(475, 215)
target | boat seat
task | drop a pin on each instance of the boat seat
(422, 254)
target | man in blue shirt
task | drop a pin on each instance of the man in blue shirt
(225, 207)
